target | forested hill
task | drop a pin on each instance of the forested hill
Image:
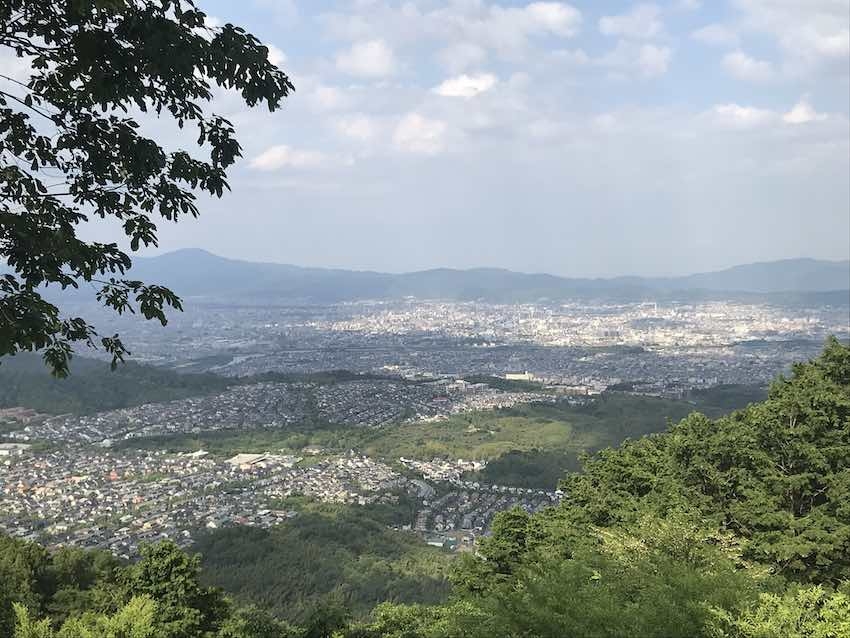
(737, 527)
(197, 273)
(92, 387)
(329, 554)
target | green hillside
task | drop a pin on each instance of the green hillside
(533, 445)
(92, 387)
(327, 554)
(737, 527)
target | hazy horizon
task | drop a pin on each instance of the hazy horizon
(579, 139)
(161, 253)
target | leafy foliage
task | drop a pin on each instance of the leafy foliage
(722, 399)
(777, 474)
(70, 149)
(625, 585)
(328, 554)
(805, 613)
(59, 584)
(88, 594)
(185, 608)
(534, 468)
(253, 622)
(134, 620)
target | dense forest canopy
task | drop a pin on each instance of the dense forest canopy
(90, 388)
(72, 148)
(342, 554)
(737, 527)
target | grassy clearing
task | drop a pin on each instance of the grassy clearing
(560, 429)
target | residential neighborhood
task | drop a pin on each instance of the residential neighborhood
(118, 500)
(372, 403)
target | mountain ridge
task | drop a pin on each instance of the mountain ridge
(793, 261)
(199, 273)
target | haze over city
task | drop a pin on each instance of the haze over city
(580, 139)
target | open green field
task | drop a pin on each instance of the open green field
(608, 420)
(478, 436)
(529, 445)
(561, 427)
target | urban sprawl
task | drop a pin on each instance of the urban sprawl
(77, 480)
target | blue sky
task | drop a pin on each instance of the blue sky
(583, 138)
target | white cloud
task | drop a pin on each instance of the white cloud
(466, 85)
(742, 117)
(577, 57)
(744, 67)
(716, 35)
(418, 134)
(507, 29)
(468, 29)
(283, 156)
(642, 22)
(461, 56)
(628, 59)
(834, 45)
(811, 32)
(329, 98)
(370, 59)
(653, 60)
(802, 113)
(358, 127)
(276, 56)
(556, 17)
(606, 123)
(749, 117)
(689, 5)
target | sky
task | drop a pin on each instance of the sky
(581, 139)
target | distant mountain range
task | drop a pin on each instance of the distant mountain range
(197, 273)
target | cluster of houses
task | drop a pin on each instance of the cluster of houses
(441, 470)
(239, 407)
(115, 501)
(112, 501)
(358, 403)
(343, 479)
(97, 498)
(467, 511)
